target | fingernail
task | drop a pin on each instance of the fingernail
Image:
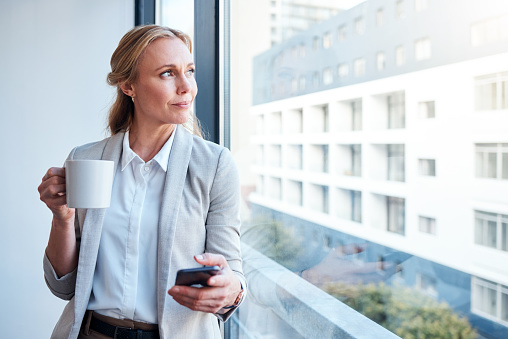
(199, 257)
(176, 289)
(212, 281)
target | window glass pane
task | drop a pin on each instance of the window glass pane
(504, 236)
(504, 306)
(363, 90)
(491, 234)
(178, 15)
(492, 165)
(505, 165)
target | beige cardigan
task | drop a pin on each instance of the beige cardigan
(199, 213)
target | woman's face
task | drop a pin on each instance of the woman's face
(165, 87)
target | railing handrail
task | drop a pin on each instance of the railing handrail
(310, 311)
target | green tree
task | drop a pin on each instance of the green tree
(408, 313)
(275, 240)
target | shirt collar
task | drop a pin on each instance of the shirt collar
(161, 158)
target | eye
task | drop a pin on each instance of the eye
(167, 73)
(190, 72)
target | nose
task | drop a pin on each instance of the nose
(183, 85)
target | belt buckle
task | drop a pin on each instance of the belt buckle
(117, 328)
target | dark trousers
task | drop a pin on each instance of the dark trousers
(87, 333)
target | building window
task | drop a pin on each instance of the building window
(294, 52)
(491, 92)
(318, 198)
(396, 108)
(426, 284)
(302, 51)
(359, 67)
(260, 155)
(260, 185)
(356, 160)
(427, 225)
(426, 109)
(294, 192)
(343, 71)
(492, 161)
(341, 33)
(491, 230)
(274, 123)
(275, 156)
(327, 40)
(315, 43)
(260, 124)
(359, 26)
(349, 205)
(275, 188)
(294, 157)
(400, 55)
(318, 158)
(315, 79)
(349, 159)
(489, 299)
(395, 162)
(395, 215)
(356, 115)
(421, 5)
(399, 9)
(427, 167)
(489, 31)
(379, 17)
(380, 61)
(327, 76)
(422, 49)
(301, 83)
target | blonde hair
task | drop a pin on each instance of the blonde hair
(124, 70)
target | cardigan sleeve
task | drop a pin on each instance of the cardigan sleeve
(63, 287)
(223, 219)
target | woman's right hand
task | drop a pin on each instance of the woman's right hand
(52, 193)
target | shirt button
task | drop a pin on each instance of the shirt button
(147, 168)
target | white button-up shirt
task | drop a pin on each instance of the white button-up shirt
(125, 280)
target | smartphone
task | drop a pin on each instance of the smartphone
(196, 276)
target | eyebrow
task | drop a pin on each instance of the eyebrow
(174, 66)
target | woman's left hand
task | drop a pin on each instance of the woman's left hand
(222, 291)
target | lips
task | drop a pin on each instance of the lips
(182, 104)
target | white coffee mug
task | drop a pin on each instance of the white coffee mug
(88, 183)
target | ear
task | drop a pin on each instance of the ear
(128, 90)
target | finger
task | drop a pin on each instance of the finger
(54, 171)
(219, 280)
(55, 202)
(48, 191)
(197, 299)
(211, 259)
(195, 294)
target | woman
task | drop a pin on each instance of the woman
(175, 205)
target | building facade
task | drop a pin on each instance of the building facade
(387, 126)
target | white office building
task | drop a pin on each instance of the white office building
(384, 125)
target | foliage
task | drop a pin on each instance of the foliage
(408, 313)
(275, 240)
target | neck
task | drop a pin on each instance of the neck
(147, 143)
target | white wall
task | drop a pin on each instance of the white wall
(53, 96)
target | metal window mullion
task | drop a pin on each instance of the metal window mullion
(499, 161)
(499, 230)
(498, 301)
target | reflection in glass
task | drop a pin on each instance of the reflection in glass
(360, 94)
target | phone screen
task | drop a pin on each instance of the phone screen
(196, 276)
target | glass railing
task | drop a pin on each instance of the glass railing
(280, 304)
